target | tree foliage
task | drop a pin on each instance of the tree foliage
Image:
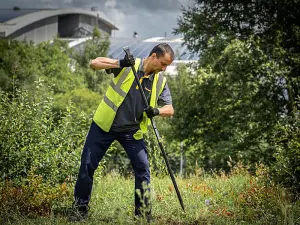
(286, 169)
(97, 46)
(242, 19)
(240, 103)
(237, 100)
(23, 63)
(276, 23)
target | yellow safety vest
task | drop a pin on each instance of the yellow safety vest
(116, 93)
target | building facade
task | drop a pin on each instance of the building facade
(38, 25)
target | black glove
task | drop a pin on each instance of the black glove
(151, 112)
(127, 61)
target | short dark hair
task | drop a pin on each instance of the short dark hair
(161, 49)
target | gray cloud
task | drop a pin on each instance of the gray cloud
(134, 5)
(147, 17)
(157, 5)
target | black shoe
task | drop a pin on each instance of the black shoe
(78, 213)
(149, 218)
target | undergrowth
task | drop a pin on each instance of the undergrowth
(215, 198)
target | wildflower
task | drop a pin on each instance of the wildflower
(207, 202)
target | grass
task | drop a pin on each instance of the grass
(238, 198)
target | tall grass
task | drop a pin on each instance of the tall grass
(236, 198)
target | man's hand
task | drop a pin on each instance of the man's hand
(127, 61)
(151, 112)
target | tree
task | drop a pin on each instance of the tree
(263, 18)
(16, 65)
(97, 46)
(56, 67)
(276, 23)
(230, 106)
(23, 63)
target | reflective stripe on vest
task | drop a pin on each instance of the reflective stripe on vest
(117, 86)
(158, 85)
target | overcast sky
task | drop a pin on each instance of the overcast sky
(149, 18)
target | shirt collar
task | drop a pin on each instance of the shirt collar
(141, 69)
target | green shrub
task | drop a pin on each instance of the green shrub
(83, 99)
(31, 138)
(286, 168)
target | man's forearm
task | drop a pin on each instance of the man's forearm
(166, 111)
(104, 63)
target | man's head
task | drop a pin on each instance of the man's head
(160, 57)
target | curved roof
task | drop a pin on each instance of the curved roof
(8, 14)
(20, 18)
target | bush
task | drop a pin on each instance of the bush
(31, 138)
(286, 168)
(84, 100)
(34, 197)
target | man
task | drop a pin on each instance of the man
(122, 116)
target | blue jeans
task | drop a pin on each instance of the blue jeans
(96, 145)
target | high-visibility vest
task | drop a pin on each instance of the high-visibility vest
(116, 93)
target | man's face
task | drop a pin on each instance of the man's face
(161, 63)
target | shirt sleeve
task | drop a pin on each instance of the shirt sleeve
(114, 71)
(165, 97)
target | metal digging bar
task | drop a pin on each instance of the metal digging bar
(126, 49)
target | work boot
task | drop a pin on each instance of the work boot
(149, 218)
(78, 213)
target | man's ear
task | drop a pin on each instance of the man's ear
(153, 55)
